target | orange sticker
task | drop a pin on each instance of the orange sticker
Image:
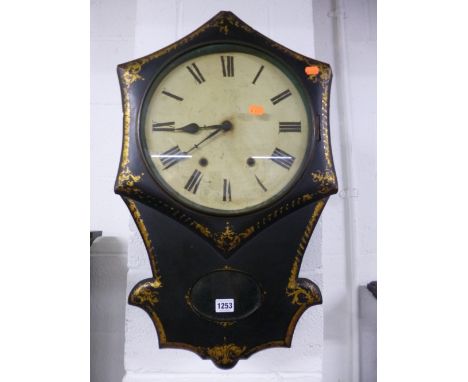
(312, 70)
(256, 110)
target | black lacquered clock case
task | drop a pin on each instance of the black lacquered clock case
(225, 285)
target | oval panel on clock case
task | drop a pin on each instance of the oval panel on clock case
(226, 295)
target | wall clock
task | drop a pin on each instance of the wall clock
(226, 167)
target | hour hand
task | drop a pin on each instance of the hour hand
(191, 128)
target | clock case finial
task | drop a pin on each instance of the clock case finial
(184, 244)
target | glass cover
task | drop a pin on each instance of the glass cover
(225, 130)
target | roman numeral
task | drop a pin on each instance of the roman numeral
(195, 72)
(161, 126)
(282, 158)
(228, 66)
(258, 74)
(226, 190)
(290, 127)
(261, 184)
(171, 157)
(194, 181)
(172, 95)
(280, 97)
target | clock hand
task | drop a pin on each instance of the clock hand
(225, 126)
(195, 146)
(191, 128)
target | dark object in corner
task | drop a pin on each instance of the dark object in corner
(93, 235)
(372, 286)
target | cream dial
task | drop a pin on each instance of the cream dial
(225, 132)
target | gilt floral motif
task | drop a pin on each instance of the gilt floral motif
(225, 354)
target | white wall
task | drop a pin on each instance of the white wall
(112, 42)
(344, 36)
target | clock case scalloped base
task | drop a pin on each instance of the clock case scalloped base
(182, 259)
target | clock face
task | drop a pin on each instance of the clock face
(225, 130)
